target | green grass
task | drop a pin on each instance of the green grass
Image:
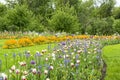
(111, 55)
(10, 52)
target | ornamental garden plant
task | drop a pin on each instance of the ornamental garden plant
(68, 60)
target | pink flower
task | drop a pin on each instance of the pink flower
(17, 71)
(51, 67)
(34, 71)
(4, 76)
(23, 78)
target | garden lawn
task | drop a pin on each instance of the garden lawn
(111, 55)
(10, 52)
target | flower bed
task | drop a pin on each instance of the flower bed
(30, 41)
(69, 60)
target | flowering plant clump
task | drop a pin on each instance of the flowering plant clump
(13, 43)
(69, 60)
(27, 41)
(10, 44)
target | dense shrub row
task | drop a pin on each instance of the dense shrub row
(27, 41)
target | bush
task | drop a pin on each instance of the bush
(101, 26)
(63, 21)
(116, 26)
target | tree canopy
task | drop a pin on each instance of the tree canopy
(96, 17)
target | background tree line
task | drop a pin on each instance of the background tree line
(95, 17)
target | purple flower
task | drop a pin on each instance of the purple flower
(66, 62)
(77, 56)
(37, 54)
(27, 55)
(32, 62)
(14, 55)
(76, 65)
(60, 56)
(39, 72)
(63, 43)
(5, 55)
(39, 67)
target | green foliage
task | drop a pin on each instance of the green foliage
(35, 25)
(116, 26)
(63, 21)
(19, 18)
(84, 13)
(3, 20)
(105, 26)
(91, 16)
(106, 8)
(101, 27)
(116, 12)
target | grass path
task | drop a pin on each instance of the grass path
(111, 55)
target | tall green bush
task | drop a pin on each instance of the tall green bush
(116, 26)
(19, 18)
(64, 21)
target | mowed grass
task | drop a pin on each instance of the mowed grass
(22, 50)
(111, 55)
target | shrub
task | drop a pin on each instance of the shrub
(63, 21)
(25, 42)
(116, 26)
(10, 44)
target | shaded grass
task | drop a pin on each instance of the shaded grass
(111, 55)
(22, 50)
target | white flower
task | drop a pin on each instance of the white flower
(45, 71)
(25, 72)
(72, 53)
(13, 68)
(74, 49)
(78, 61)
(28, 51)
(4, 76)
(51, 68)
(34, 71)
(10, 71)
(23, 78)
(66, 56)
(53, 55)
(47, 79)
(79, 51)
(72, 64)
(22, 63)
(46, 59)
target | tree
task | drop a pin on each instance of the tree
(19, 17)
(3, 19)
(116, 12)
(64, 21)
(84, 13)
(106, 8)
(116, 26)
